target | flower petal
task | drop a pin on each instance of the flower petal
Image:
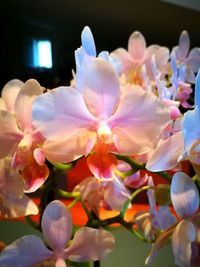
(66, 150)
(101, 162)
(194, 59)
(124, 57)
(88, 41)
(23, 104)
(10, 92)
(136, 46)
(197, 90)
(10, 135)
(60, 113)
(138, 121)
(183, 46)
(26, 252)
(161, 241)
(90, 245)
(101, 88)
(184, 234)
(166, 154)
(57, 225)
(184, 195)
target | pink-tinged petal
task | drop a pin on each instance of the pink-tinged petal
(34, 176)
(194, 59)
(2, 105)
(101, 88)
(101, 162)
(116, 194)
(161, 242)
(10, 135)
(60, 113)
(14, 206)
(151, 197)
(184, 195)
(183, 45)
(135, 180)
(10, 92)
(183, 236)
(57, 225)
(138, 121)
(26, 251)
(166, 154)
(23, 104)
(190, 120)
(124, 57)
(39, 156)
(60, 263)
(88, 41)
(136, 46)
(90, 245)
(66, 150)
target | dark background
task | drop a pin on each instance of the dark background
(62, 21)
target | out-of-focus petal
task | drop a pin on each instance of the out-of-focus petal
(138, 121)
(101, 162)
(165, 218)
(56, 225)
(183, 45)
(124, 57)
(184, 195)
(2, 105)
(66, 150)
(90, 245)
(161, 241)
(10, 92)
(23, 104)
(197, 90)
(26, 252)
(190, 120)
(101, 88)
(166, 154)
(88, 41)
(60, 263)
(183, 235)
(136, 46)
(116, 194)
(60, 113)
(10, 135)
(194, 59)
(39, 156)
(135, 180)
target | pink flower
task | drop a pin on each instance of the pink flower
(191, 60)
(138, 55)
(14, 203)
(18, 137)
(110, 194)
(99, 118)
(88, 244)
(185, 234)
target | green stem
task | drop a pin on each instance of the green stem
(73, 203)
(66, 194)
(63, 166)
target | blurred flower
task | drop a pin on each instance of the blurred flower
(88, 244)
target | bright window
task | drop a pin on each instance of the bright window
(42, 54)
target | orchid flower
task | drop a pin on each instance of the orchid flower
(156, 219)
(192, 137)
(190, 60)
(18, 137)
(138, 55)
(181, 89)
(85, 53)
(185, 234)
(110, 194)
(88, 244)
(98, 120)
(14, 203)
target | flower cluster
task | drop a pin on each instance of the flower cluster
(127, 113)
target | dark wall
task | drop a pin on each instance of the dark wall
(62, 21)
